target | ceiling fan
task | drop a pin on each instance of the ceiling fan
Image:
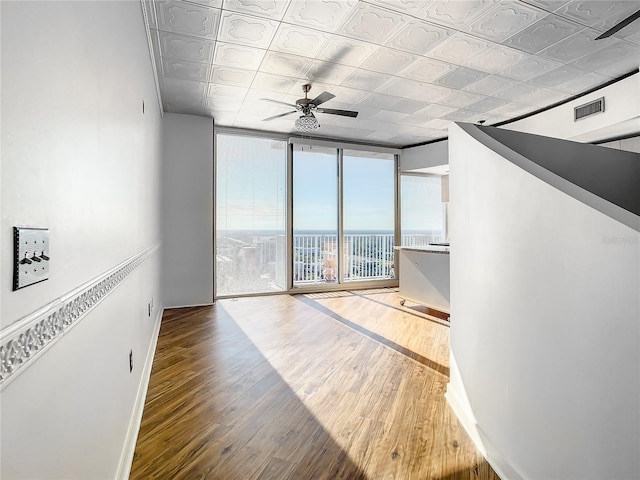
(307, 122)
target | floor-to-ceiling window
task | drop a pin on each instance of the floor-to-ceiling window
(342, 223)
(250, 208)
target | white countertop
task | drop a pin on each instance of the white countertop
(426, 248)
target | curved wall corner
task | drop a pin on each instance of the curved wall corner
(545, 322)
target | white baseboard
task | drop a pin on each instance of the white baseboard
(126, 458)
(459, 402)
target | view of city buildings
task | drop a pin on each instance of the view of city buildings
(248, 261)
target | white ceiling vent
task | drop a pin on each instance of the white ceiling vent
(591, 108)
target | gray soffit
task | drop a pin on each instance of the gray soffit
(409, 67)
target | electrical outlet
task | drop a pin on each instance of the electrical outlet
(130, 361)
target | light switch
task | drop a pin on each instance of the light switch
(31, 256)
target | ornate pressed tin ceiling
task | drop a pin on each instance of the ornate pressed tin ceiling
(409, 67)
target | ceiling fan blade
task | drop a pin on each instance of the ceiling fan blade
(278, 116)
(278, 102)
(344, 113)
(620, 25)
(323, 97)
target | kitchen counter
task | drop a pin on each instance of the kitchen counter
(424, 276)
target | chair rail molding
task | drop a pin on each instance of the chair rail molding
(26, 339)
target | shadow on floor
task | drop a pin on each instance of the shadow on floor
(216, 409)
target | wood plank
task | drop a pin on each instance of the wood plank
(329, 386)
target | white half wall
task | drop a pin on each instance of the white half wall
(80, 157)
(188, 262)
(545, 323)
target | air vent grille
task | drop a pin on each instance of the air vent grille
(588, 109)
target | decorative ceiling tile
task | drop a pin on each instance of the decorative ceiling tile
(435, 111)
(186, 70)
(366, 80)
(513, 109)
(273, 9)
(583, 82)
(388, 60)
(557, 77)
(223, 104)
(382, 101)
(372, 24)
(389, 116)
(529, 68)
(245, 30)
(239, 56)
(590, 12)
(416, 120)
(332, 73)
(419, 37)
(414, 90)
(619, 16)
(462, 115)
(504, 20)
(285, 64)
(613, 60)
(549, 5)
(461, 77)
(273, 83)
(232, 76)
(186, 48)
(438, 123)
(459, 48)
(461, 99)
(298, 40)
(346, 51)
(347, 95)
(409, 7)
(426, 69)
(531, 95)
(434, 93)
(325, 15)
(456, 13)
(222, 119)
(491, 85)
(185, 89)
(187, 18)
(409, 105)
(542, 34)
(226, 91)
(487, 104)
(207, 3)
(576, 46)
(496, 59)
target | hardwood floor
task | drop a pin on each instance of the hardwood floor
(345, 385)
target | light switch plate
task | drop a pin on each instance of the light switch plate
(31, 256)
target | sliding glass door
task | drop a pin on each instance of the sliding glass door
(315, 215)
(343, 216)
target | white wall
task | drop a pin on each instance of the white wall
(188, 210)
(416, 159)
(621, 116)
(81, 158)
(545, 322)
(629, 144)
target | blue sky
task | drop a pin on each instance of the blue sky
(251, 189)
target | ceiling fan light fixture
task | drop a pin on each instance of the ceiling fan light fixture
(307, 123)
